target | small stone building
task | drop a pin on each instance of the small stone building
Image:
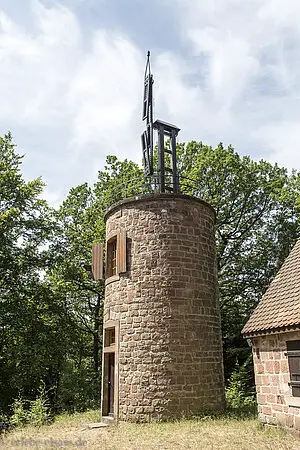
(274, 331)
(162, 352)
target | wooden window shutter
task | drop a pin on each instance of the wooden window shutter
(121, 252)
(293, 348)
(97, 261)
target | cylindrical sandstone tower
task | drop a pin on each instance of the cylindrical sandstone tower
(162, 353)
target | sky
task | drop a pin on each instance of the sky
(71, 80)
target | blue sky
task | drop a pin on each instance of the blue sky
(71, 76)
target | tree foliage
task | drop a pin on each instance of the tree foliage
(256, 221)
(26, 226)
(25, 223)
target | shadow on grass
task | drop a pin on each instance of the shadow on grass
(243, 413)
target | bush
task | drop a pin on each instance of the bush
(39, 413)
(79, 387)
(19, 417)
(239, 393)
(35, 412)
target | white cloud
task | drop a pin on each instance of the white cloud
(173, 94)
(53, 198)
(285, 139)
(36, 65)
(103, 94)
(247, 57)
(74, 96)
(71, 94)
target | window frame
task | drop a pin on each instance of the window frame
(293, 356)
(116, 255)
(111, 257)
(109, 336)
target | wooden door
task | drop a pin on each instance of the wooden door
(111, 383)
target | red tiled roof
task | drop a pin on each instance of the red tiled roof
(279, 307)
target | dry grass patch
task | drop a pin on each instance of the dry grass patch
(71, 432)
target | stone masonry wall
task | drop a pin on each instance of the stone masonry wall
(274, 396)
(170, 351)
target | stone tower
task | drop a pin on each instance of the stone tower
(162, 355)
(162, 348)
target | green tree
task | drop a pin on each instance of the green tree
(257, 213)
(71, 274)
(25, 222)
(29, 347)
(81, 223)
(118, 180)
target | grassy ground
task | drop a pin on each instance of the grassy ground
(72, 432)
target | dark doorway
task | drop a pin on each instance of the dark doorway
(111, 383)
(109, 402)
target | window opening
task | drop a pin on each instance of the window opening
(293, 353)
(109, 337)
(112, 257)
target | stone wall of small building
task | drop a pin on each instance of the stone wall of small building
(170, 350)
(274, 395)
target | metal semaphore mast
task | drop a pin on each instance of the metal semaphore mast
(165, 176)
